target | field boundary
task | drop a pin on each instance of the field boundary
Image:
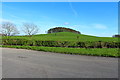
(103, 52)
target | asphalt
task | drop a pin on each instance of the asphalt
(21, 63)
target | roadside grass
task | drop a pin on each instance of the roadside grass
(105, 52)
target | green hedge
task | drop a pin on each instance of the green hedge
(88, 44)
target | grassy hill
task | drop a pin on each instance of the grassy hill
(65, 42)
(65, 36)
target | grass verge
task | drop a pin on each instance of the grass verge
(105, 52)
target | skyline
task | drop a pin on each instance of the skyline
(90, 18)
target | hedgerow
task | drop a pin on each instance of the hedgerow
(87, 44)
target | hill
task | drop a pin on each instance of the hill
(62, 39)
(65, 36)
(65, 42)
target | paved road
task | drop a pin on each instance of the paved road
(19, 63)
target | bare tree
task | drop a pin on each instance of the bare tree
(30, 28)
(8, 29)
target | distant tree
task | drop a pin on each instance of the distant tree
(62, 29)
(30, 29)
(117, 35)
(8, 29)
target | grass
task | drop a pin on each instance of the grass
(67, 36)
(64, 36)
(62, 39)
(106, 52)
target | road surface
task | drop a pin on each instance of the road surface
(21, 63)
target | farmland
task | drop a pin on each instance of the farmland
(65, 42)
(64, 36)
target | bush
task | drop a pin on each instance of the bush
(87, 44)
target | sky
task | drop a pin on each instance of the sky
(90, 18)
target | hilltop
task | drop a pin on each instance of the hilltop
(62, 29)
(68, 36)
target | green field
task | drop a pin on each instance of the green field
(65, 36)
(65, 42)
(62, 39)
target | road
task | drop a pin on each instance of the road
(21, 63)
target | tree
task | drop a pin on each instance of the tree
(8, 29)
(30, 29)
(62, 29)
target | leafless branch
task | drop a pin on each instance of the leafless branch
(8, 29)
(30, 28)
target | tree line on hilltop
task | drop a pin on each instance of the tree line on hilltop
(62, 29)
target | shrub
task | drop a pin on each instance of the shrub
(87, 44)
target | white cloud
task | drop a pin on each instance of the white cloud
(81, 26)
(91, 26)
(14, 16)
(5, 20)
(66, 23)
(94, 29)
(99, 26)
